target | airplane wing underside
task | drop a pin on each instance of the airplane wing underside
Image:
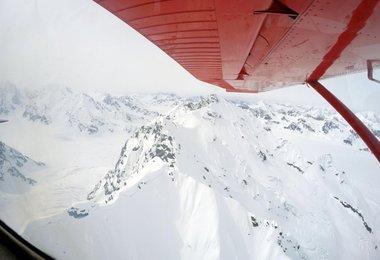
(259, 45)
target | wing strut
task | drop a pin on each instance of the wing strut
(368, 137)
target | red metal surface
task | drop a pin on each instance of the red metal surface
(365, 46)
(367, 136)
(357, 22)
(186, 30)
(317, 29)
(224, 42)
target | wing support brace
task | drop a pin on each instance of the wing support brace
(368, 137)
(357, 22)
(370, 70)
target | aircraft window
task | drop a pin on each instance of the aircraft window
(110, 150)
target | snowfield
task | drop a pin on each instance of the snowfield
(165, 177)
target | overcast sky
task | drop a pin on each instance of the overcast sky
(78, 44)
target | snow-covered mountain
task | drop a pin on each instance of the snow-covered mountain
(16, 170)
(265, 128)
(224, 179)
(77, 135)
(150, 142)
(81, 112)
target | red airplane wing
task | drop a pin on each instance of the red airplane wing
(258, 45)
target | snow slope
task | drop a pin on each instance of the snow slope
(226, 179)
(53, 125)
(16, 170)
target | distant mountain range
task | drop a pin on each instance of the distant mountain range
(91, 115)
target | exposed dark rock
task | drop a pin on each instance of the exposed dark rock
(347, 141)
(77, 213)
(262, 156)
(346, 205)
(328, 126)
(163, 147)
(296, 167)
(293, 126)
(254, 222)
